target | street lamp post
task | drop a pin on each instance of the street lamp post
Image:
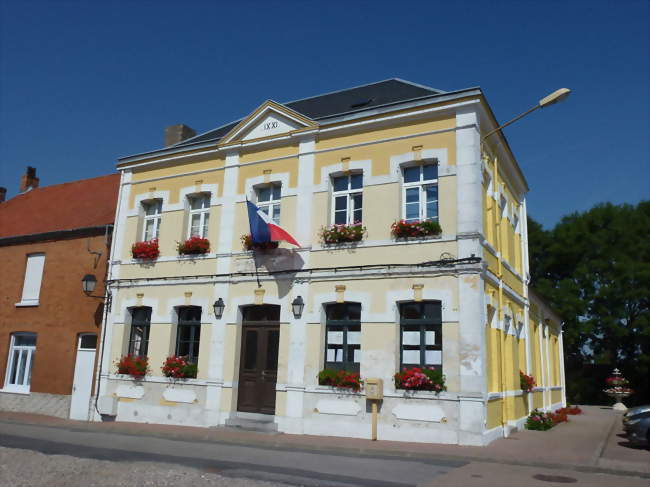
(555, 97)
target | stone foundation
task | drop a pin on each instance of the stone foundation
(37, 403)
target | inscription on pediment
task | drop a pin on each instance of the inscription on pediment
(271, 123)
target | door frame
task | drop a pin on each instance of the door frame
(91, 384)
(266, 325)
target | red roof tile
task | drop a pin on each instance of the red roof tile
(78, 204)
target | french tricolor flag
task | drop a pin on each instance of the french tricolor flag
(263, 229)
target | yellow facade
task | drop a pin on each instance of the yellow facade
(488, 334)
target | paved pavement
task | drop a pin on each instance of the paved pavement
(586, 450)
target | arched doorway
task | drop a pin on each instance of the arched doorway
(258, 364)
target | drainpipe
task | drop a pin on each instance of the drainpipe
(497, 219)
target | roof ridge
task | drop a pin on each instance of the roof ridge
(355, 87)
(72, 182)
(286, 103)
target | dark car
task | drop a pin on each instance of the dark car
(634, 412)
(637, 428)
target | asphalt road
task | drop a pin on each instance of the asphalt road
(232, 461)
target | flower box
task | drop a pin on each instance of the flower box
(248, 244)
(337, 234)
(417, 229)
(194, 246)
(177, 367)
(526, 382)
(133, 365)
(146, 250)
(420, 379)
(341, 379)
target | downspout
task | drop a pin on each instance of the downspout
(107, 294)
(497, 219)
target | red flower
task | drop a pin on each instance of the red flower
(194, 246)
(146, 250)
(135, 366)
(404, 229)
(418, 379)
(178, 368)
(340, 233)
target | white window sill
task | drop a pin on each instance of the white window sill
(26, 304)
(15, 391)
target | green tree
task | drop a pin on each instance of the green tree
(594, 268)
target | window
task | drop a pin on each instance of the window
(140, 327)
(20, 362)
(347, 199)
(268, 200)
(33, 278)
(343, 336)
(152, 210)
(199, 215)
(421, 334)
(420, 198)
(188, 334)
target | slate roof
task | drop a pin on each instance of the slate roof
(68, 206)
(349, 100)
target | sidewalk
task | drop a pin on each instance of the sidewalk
(589, 442)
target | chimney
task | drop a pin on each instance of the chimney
(29, 180)
(3, 194)
(178, 133)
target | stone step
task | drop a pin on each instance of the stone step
(252, 422)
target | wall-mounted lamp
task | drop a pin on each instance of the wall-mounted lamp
(297, 306)
(88, 284)
(218, 306)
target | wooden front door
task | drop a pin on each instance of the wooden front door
(258, 369)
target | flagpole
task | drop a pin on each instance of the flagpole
(257, 274)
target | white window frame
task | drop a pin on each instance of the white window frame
(30, 350)
(350, 193)
(33, 280)
(203, 212)
(422, 184)
(272, 204)
(155, 217)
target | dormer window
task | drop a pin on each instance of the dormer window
(420, 197)
(199, 215)
(152, 212)
(268, 200)
(347, 199)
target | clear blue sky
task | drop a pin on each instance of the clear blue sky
(85, 82)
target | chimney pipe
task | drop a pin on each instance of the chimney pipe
(178, 133)
(29, 180)
(3, 194)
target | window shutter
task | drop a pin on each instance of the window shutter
(33, 278)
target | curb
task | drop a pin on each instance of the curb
(343, 450)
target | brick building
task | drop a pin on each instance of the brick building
(50, 238)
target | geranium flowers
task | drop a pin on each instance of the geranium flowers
(404, 229)
(194, 246)
(177, 367)
(337, 234)
(135, 366)
(146, 250)
(341, 379)
(526, 382)
(420, 379)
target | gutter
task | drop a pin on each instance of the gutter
(54, 235)
(338, 117)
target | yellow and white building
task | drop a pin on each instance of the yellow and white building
(376, 153)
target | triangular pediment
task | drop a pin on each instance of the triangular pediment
(268, 120)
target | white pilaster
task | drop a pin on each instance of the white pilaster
(561, 365)
(468, 183)
(227, 223)
(296, 364)
(305, 191)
